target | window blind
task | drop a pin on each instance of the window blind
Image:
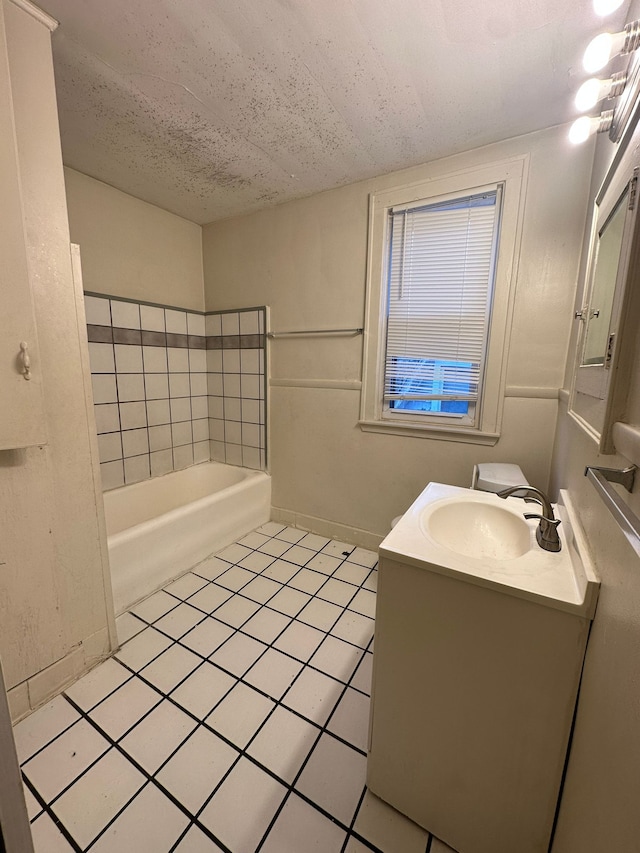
(440, 277)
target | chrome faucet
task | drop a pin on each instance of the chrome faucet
(547, 532)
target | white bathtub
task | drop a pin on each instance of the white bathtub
(159, 528)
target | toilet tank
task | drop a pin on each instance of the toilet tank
(496, 476)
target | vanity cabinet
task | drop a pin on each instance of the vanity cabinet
(473, 696)
(21, 408)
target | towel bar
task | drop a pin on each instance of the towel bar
(628, 521)
(312, 332)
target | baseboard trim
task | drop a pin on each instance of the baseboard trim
(43, 686)
(325, 527)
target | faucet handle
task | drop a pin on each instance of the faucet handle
(513, 490)
(554, 521)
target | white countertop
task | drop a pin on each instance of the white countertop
(564, 580)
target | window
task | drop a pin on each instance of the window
(424, 385)
(439, 282)
(439, 301)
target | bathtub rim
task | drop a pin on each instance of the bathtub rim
(251, 474)
(147, 556)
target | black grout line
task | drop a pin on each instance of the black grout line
(353, 833)
(144, 385)
(353, 819)
(99, 702)
(290, 787)
(278, 811)
(115, 380)
(260, 464)
(48, 811)
(121, 811)
(117, 401)
(174, 640)
(150, 777)
(243, 752)
(256, 574)
(60, 733)
(322, 730)
(311, 597)
(240, 679)
(54, 799)
(237, 679)
(269, 645)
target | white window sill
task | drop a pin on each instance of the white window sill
(432, 431)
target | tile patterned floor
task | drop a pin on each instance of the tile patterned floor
(233, 718)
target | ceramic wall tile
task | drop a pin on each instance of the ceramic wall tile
(174, 388)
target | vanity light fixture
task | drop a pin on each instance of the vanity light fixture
(586, 126)
(606, 7)
(604, 47)
(593, 90)
(599, 53)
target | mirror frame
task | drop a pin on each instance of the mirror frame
(609, 382)
(593, 379)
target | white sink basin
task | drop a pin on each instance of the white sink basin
(477, 529)
(480, 538)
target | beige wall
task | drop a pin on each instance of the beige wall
(307, 261)
(133, 249)
(599, 806)
(55, 609)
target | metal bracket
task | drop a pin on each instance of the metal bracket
(624, 476)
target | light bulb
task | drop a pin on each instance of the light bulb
(583, 127)
(600, 50)
(593, 90)
(581, 130)
(589, 94)
(606, 7)
(598, 53)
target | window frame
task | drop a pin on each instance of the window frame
(511, 175)
(468, 419)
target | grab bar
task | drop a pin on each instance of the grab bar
(315, 332)
(628, 521)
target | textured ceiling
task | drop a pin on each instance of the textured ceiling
(213, 108)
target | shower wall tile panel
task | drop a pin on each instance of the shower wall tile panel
(236, 386)
(173, 388)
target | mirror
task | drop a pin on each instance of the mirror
(603, 287)
(613, 229)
